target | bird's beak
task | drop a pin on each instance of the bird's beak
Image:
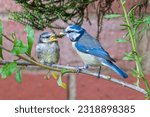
(55, 36)
(52, 38)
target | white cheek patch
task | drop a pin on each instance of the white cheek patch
(45, 40)
(75, 35)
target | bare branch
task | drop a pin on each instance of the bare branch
(83, 71)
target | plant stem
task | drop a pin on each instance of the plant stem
(134, 49)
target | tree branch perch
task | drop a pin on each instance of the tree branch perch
(83, 71)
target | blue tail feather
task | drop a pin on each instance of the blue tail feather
(115, 68)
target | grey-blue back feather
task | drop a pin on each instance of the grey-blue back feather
(89, 44)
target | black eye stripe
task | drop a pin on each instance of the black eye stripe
(45, 36)
(69, 31)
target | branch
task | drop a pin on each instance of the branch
(83, 71)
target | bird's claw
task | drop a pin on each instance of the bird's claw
(78, 69)
(99, 72)
(85, 66)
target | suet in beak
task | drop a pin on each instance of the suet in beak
(60, 35)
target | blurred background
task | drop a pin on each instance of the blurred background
(80, 86)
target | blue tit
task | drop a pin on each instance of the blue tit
(47, 49)
(90, 50)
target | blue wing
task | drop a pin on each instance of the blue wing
(87, 44)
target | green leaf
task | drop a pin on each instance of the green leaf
(136, 74)
(122, 40)
(125, 25)
(131, 14)
(54, 74)
(19, 47)
(60, 83)
(8, 69)
(1, 39)
(147, 20)
(30, 38)
(128, 56)
(18, 76)
(112, 16)
(124, 2)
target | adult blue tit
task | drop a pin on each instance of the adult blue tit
(47, 49)
(90, 50)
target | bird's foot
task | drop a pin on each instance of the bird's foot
(48, 64)
(47, 76)
(85, 66)
(78, 69)
(99, 72)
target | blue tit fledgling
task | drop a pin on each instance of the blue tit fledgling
(90, 50)
(47, 49)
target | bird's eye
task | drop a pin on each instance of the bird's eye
(69, 31)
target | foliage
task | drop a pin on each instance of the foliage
(18, 76)
(8, 69)
(41, 14)
(112, 16)
(19, 49)
(135, 27)
(30, 38)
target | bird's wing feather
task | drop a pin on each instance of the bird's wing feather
(93, 47)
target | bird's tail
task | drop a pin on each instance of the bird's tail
(115, 68)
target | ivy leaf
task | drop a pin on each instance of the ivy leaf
(112, 16)
(18, 76)
(19, 47)
(1, 39)
(122, 40)
(8, 69)
(30, 38)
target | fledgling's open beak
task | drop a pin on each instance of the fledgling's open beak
(53, 38)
